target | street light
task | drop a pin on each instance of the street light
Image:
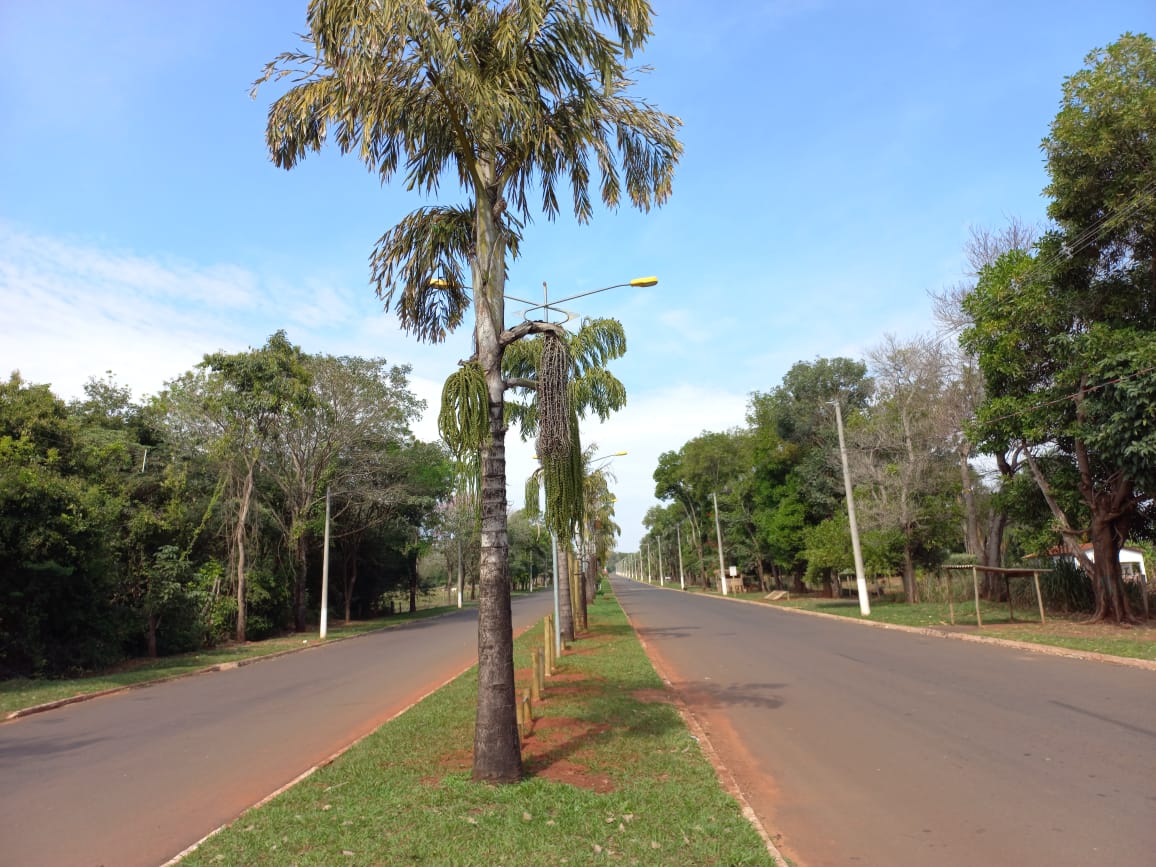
(546, 306)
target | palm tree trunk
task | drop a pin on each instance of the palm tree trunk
(565, 609)
(497, 750)
(497, 754)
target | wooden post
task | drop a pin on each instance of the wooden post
(526, 714)
(1039, 596)
(1011, 614)
(950, 604)
(548, 635)
(536, 674)
(975, 585)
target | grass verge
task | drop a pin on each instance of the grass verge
(613, 775)
(21, 692)
(1136, 642)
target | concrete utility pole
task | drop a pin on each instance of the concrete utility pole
(718, 536)
(681, 574)
(325, 572)
(860, 577)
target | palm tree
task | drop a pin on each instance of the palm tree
(506, 98)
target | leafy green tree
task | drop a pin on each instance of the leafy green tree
(232, 406)
(1067, 338)
(359, 408)
(797, 482)
(502, 97)
(58, 582)
(704, 468)
(985, 509)
(799, 413)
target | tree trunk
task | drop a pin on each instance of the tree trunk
(497, 750)
(350, 581)
(153, 623)
(970, 509)
(1111, 598)
(497, 753)
(565, 609)
(239, 542)
(993, 588)
(909, 590)
(579, 591)
(300, 568)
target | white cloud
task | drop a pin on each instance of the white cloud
(654, 422)
(73, 311)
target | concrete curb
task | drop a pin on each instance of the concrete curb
(933, 632)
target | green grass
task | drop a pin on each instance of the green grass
(404, 795)
(1071, 633)
(18, 693)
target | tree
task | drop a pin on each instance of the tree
(797, 481)
(57, 573)
(904, 446)
(589, 387)
(359, 408)
(1066, 338)
(708, 464)
(985, 507)
(502, 97)
(231, 406)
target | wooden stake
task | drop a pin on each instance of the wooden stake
(536, 674)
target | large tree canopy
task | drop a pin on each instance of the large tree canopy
(1066, 338)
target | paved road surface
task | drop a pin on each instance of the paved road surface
(869, 746)
(133, 779)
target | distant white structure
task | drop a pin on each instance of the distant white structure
(1132, 566)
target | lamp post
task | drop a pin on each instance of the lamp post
(325, 572)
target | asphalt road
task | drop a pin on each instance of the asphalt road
(135, 778)
(869, 746)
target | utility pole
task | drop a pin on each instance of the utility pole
(681, 574)
(860, 578)
(718, 536)
(325, 572)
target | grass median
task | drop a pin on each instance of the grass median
(612, 775)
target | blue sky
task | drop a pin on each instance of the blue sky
(836, 155)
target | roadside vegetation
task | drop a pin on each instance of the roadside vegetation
(18, 693)
(611, 774)
(1016, 429)
(1073, 633)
